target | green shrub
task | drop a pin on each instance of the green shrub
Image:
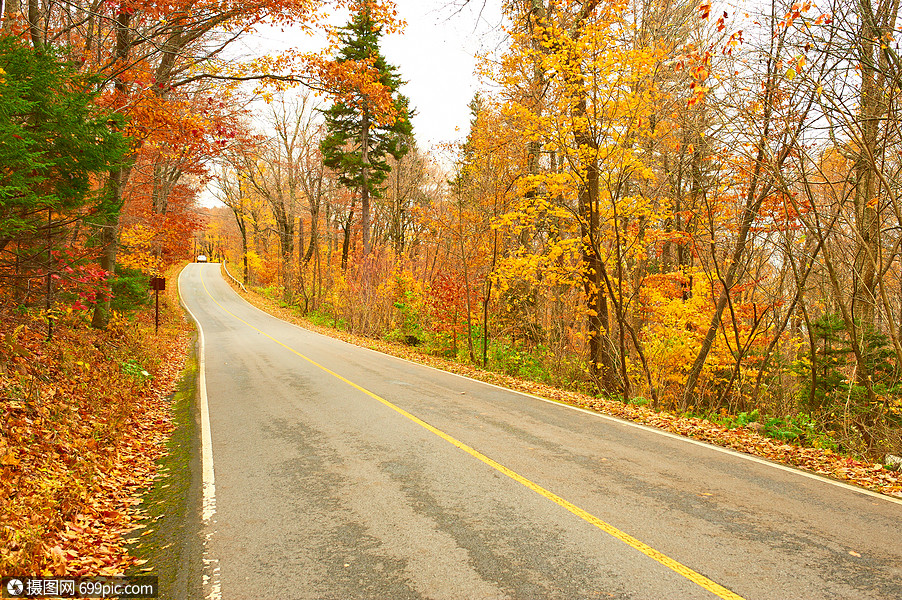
(744, 418)
(320, 317)
(131, 290)
(136, 371)
(518, 361)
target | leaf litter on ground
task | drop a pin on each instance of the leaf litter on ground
(80, 437)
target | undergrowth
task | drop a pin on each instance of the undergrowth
(81, 419)
(534, 361)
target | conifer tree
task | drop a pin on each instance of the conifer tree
(53, 140)
(360, 137)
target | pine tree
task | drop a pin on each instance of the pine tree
(828, 359)
(53, 139)
(359, 140)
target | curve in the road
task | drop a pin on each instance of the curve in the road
(681, 569)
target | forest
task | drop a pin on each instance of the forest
(673, 204)
(677, 204)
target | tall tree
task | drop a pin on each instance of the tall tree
(152, 58)
(363, 133)
(53, 141)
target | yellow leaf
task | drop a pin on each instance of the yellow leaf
(9, 460)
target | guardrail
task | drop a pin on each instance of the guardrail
(226, 267)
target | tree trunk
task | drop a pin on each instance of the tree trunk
(10, 12)
(242, 228)
(874, 27)
(753, 204)
(346, 245)
(109, 239)
(34, 16)
(365, 188)
(286, 243)
(487, 300)
(463, 258)
(111, 206)
(300, 244)
(314, 231)
(757, 192)
(601, 359)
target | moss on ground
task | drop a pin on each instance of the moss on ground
(170, 538)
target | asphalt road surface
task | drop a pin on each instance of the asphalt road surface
(333, 471)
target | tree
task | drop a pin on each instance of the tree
(487, 168)
(53, 137)
(584, 201)
(232, 194)
(362, 133)
(775, 121)
(54, 140)
(151, 58)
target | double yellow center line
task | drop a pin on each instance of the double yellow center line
(693, 576)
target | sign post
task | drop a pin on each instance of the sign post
(157, 284)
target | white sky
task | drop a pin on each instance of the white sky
(436, 56)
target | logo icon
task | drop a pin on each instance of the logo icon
(15, 587)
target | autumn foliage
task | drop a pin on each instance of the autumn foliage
(643, 207)
(84, 417)
(671, 206)
(113, 117)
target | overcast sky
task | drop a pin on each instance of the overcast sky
(435, 56)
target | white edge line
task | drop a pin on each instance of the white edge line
(208, 506)
(621, 421)
(209, 482)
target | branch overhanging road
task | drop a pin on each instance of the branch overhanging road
(344, 473)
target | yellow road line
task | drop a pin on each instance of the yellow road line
(693, 576)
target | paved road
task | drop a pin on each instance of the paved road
(343, 473)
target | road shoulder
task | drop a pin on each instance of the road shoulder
(169, 540)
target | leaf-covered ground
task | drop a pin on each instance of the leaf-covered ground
(83, 418)
(743, 439)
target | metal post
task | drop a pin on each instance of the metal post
(157, 284)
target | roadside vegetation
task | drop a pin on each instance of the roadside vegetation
(792, 441)
(667, 205)
(112, 118)
(683, 216)
(84, 415)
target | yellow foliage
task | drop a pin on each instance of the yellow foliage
(136, 249)
(254, 262)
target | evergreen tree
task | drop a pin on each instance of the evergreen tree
(829, 356)
(359, 140)
(53, 139)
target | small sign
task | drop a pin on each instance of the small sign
(158, 283)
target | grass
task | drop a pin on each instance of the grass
(166, 538)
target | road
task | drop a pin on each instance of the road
(338, 472)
